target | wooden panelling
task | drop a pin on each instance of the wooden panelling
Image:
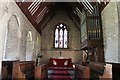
(23, 69)
(41, 72)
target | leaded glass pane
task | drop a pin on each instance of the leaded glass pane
(56, 38)
(65, 38)
(61, 39)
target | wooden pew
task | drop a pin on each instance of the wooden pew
(41, 72)
(96, 69)
(7, 69)
(23, 70)
(82, 72)
(100, 71)
(107, 72)
(4, 72)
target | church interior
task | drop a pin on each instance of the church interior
(60, 39)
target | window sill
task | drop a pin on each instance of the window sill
(56, 49)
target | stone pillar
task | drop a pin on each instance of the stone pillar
(110, 31)
(118, 7)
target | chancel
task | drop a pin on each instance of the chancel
(59, 39)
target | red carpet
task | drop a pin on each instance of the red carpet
(62, 72)
(59, 77)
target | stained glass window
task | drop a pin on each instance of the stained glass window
(61, 36)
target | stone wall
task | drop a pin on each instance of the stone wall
(110, 32)
(14, 28)
(118, 7)
(48, 49)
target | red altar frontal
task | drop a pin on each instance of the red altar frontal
(60, 63)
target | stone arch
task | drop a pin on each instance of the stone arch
(62, 22)
(12, 45)
(29, 47)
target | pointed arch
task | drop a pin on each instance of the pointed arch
(12, 45)
(29, 47)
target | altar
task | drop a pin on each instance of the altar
(60, 63)
(60, 68)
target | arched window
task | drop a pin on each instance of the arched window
(61, 36)
(12, 36)
(29, 46)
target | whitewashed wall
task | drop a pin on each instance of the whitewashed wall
(13, 21)
(110, 31)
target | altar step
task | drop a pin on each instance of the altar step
(61, 74)
(57, 77)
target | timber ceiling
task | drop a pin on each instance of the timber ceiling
(39, 13)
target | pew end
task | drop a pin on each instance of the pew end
(41, 72)
(82, 72)
(107, 72)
